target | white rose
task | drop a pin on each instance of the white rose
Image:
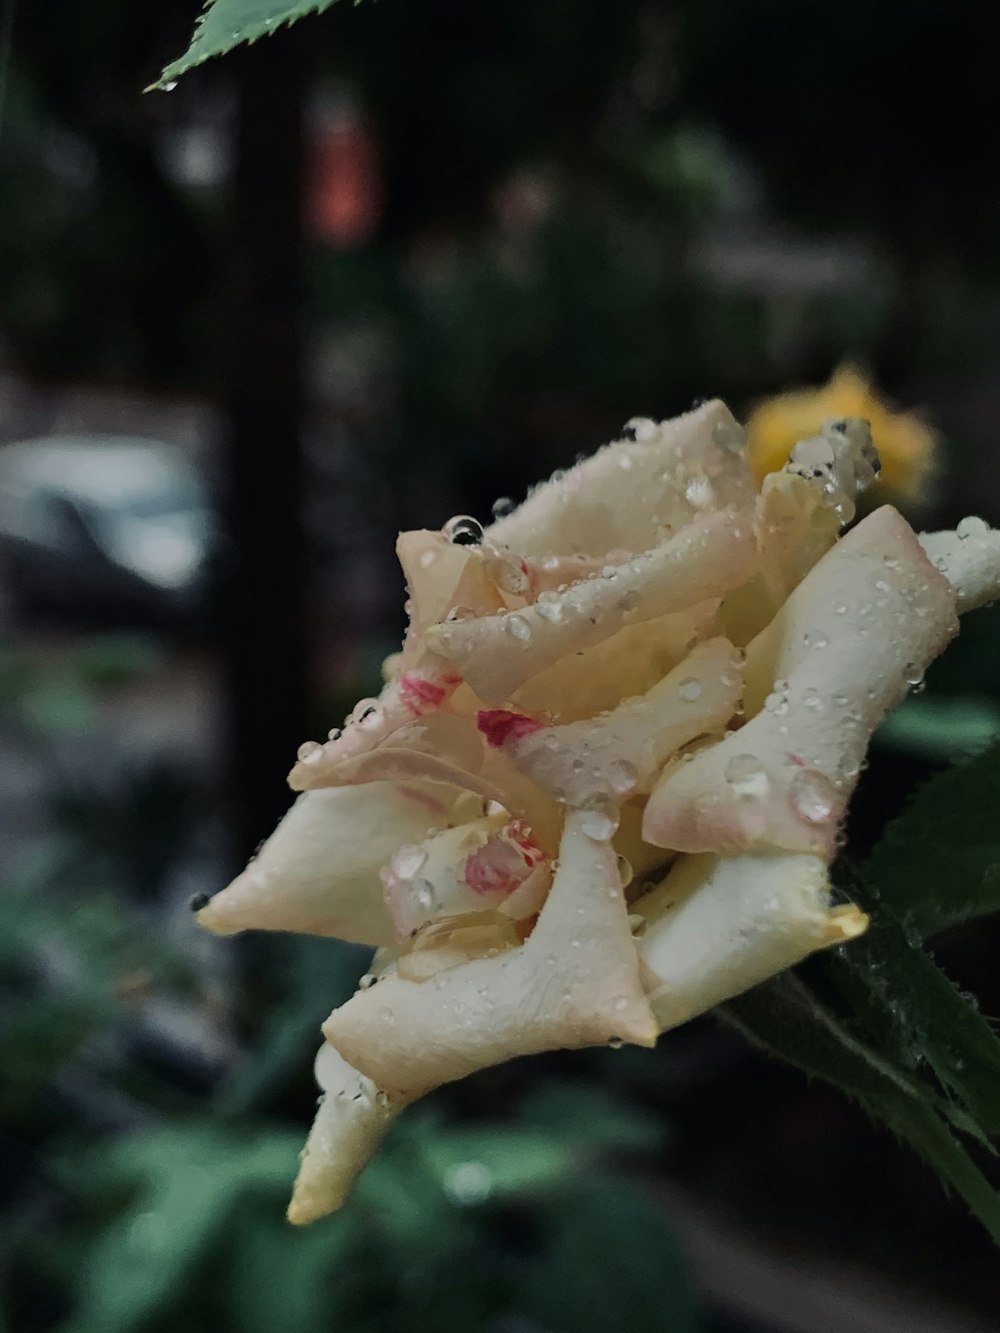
(601, 788)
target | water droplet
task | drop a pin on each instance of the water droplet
(386, 1015)
(839, 609)
(689, 689)
(169, 87)
(913, 674)
(333, 734)
(745, 774)
(423, 891)
(629, 600)
(464, 530)
(812, 796)
(598, 822)
(625, 871)
(382, 1098)
(623, 776)
(615, 1043)
(504, 506)
(519, 627)
(813, 700)
(638, 925)
(971, 527)
(408, 861)
(309, 750)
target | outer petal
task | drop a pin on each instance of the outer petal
(718, 925)
(969, 558)
(497, 654)
(575, 982)
(614, 756)
(351, 1119)
(866, 621)
(318, 871)
(633, 493)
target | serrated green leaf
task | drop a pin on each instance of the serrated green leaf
(225, 24)
(611, 1261)
(909, 1007)
(939, 863)
(785, 1018)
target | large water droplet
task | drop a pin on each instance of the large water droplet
(745, 774)
(519, 627)
(464, 530)
(623, 776)
(812, 796)
(689, 689)
(309, 751)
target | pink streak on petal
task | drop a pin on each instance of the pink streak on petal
(500, 726)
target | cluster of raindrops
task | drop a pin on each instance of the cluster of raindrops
(842, 461)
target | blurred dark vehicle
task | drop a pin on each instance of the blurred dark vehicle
(105, 527)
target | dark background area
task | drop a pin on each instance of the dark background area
(394, 264)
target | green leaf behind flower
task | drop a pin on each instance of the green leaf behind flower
(938, 864)
(785, 1017)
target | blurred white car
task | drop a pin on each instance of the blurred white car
(116, 526)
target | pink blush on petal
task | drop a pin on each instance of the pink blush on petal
(499, 726)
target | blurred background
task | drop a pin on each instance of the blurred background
(390, 265)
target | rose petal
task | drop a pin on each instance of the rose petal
(616, 755)
(596, 679)
(575, 982)
(441, 576)
(318, 871)
(969, 558)
(472, 867)
(868, 618)
(794, 527)
(441, 748)
(632, 494)
(459, 939)
(718, 925)
(351, 1119)
(497, 654)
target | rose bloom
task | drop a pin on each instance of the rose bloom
(602, 786)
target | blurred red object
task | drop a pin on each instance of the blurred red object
(344, 200)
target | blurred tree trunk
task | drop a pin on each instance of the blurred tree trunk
(263, 612)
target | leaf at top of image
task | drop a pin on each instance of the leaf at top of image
(225, 24)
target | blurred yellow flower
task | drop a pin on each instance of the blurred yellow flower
(904, 442)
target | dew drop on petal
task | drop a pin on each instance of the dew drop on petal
(519, 627)
(309, 750)
(812, 796)
(598, 822)
(689, 689)
(468, 1183)
(367, 981)
(504, 506)
(423, 891)
(625, 871)
(745, 774)
(463, 530)
(615, 1043)
(623, 776)
(408, 861)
